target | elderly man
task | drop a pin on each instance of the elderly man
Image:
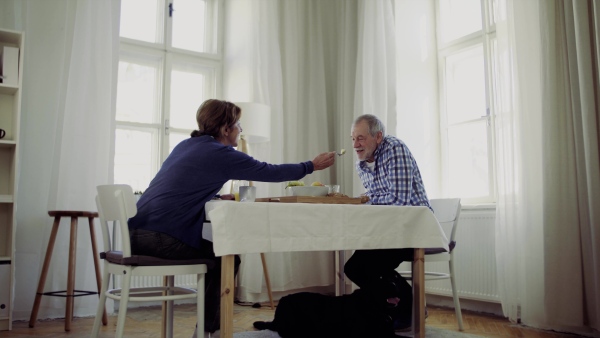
(390, 176)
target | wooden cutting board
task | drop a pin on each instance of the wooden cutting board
(313, 199)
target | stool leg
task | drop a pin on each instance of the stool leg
(71, 275)
(44, 274)
(96, 264)
(267, 279)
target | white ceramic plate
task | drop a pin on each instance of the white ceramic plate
(306, 191)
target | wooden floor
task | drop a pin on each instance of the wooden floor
(145, 322)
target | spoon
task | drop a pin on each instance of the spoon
(341, 152)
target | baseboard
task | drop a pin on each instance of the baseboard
(466, 304)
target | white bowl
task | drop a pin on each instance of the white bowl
(307, 191)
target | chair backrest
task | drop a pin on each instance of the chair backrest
(447, 211)
(116, 203)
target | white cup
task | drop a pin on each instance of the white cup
(247, 194)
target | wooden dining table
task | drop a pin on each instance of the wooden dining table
(246, 227)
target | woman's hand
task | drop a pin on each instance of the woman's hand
(324, 160)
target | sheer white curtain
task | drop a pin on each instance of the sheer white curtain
(71, 51)
(548, 229)
(312, 62)
(519, 223)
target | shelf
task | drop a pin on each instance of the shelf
(7, 143)
(10, 37)
(10, 111)
(6, 199)
(8, 90)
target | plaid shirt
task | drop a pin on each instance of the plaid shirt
(395, 179)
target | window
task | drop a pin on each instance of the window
(466, 36)
(169, 63)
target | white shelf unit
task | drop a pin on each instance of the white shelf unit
(10, 112)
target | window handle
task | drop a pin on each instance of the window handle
(171, 10)
(167, 126)
(486, 116)
(487, 113)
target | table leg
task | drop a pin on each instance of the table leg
(340, 277)
(227, 292)
(418, 279)
(337, 271)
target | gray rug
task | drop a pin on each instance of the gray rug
(430, 332)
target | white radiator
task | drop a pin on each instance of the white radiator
(475, 262)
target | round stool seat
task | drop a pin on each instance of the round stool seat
(67, 213)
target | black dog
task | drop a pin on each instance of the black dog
(360, 314)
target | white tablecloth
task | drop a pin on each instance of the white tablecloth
(239, 228)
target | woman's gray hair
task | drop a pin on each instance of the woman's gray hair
(375, 124)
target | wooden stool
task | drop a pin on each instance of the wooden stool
(70, 292)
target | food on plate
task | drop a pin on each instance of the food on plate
(317, 184)
(295, 184)
(336, 194)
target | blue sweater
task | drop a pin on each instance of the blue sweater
(193, 173)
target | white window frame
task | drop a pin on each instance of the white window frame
(171, 57)
(483, 37)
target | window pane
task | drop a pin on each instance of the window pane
(192, 25)
(465, 86)
(139, 91)
(468, 160)
(501, 84)
(135, 157)
(190, 86)
(142, 20)
(459, 18)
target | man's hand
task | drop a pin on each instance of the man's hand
(324, 160)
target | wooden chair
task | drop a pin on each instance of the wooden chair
(447, 211)
(116, 203)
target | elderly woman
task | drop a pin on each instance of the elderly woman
(171, 212)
